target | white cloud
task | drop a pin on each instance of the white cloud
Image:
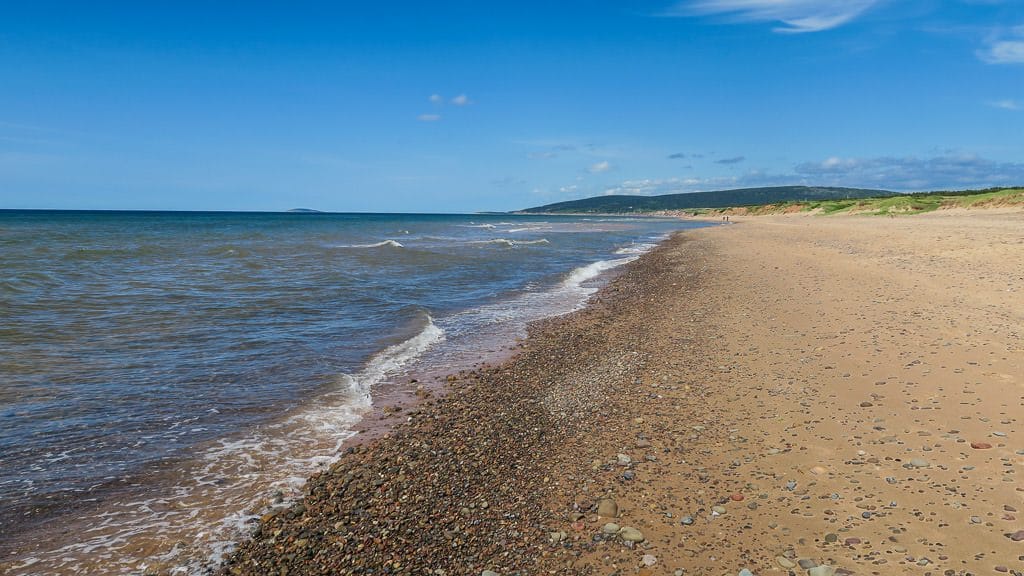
(428, 117)
(436, 99)
(795, 15)
(951, 171)
(906, 174)
(1005, 104)
(1004, 48)
(1004, 52)
(602, 166)
(461, 100)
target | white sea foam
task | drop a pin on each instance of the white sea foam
(488, 226)
(576, 278)
(391, 243)
(511, 243)
(641, 248)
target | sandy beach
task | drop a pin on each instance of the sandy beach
(783, 395)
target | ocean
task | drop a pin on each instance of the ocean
(167, 376)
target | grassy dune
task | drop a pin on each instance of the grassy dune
(893, 205)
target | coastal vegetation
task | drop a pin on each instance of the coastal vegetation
(917, 203)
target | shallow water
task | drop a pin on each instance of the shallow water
(164, 376)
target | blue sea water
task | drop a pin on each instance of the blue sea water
(163, 375)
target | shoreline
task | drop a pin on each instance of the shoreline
(514, 398)
(838, 393)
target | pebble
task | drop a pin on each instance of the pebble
(649, 560)
(919, 463)
(806, 563)
(830, 538)
(784, 562)
(1016, 536)
(611, 528)
(608, 508)
(686, 520)
(821, 571)
(623, 460)
(630, 534)
(980, 445)
(720, 510)
(746, 572)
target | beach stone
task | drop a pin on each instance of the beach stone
(623, 459)
(630, 534)
(919, 463)
(806, 563)
(830, 538)
(821, 571)
(611, 528)
(649, 560)
(720, 510)
(607, 508)
(745, 572)
(686, 520)
(736, 497)
(980, 445)
(1016, 536)
(784, 562)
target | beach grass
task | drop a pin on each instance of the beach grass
(904, 204)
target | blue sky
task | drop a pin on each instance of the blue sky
(467, 106)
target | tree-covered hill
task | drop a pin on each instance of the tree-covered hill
(717, 199)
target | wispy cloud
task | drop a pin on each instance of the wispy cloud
(1004, 48)
(428, 117)
(912, 173)
(602, 166)
(796, 16)
(436, 99)
(905, 174)
(729, 161)
(461, 100)
(1005, 104)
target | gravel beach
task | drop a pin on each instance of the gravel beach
(786, 395)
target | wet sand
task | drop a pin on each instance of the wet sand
(770, 395)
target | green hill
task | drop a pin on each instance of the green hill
(718, 199)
